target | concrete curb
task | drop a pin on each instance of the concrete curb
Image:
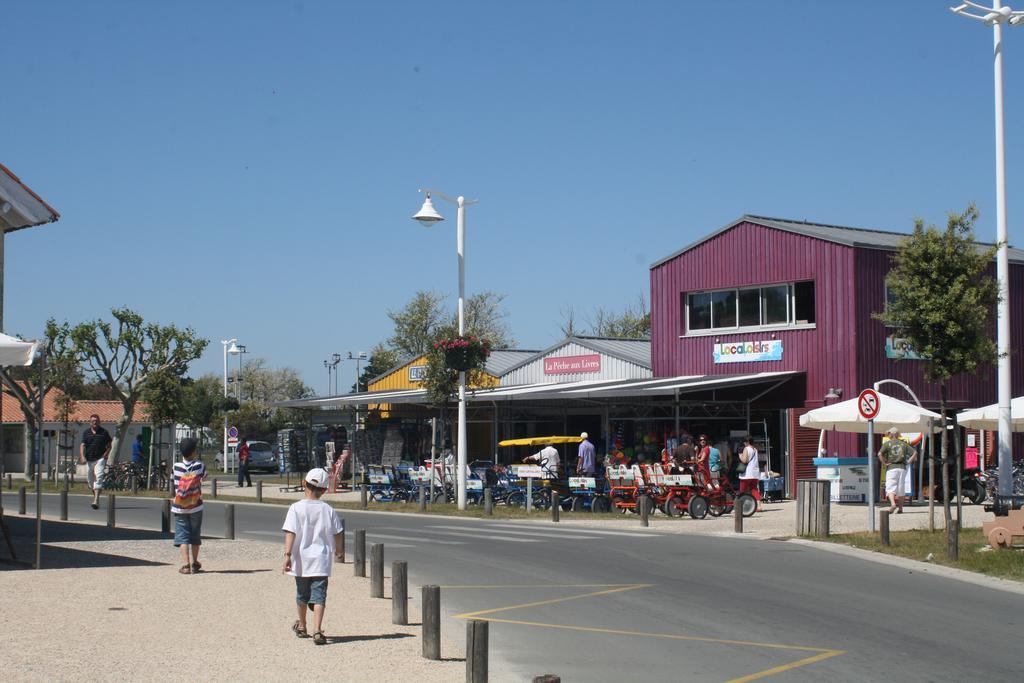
(993, 582)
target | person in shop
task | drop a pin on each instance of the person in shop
(586, 457)
(547, 458)
(751, 474)
(715, 463)
(683, 454)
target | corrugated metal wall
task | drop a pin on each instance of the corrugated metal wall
(611, 368)
(749, 255)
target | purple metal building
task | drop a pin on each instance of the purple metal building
(764, 294)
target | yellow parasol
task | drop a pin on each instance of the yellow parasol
(540, 440)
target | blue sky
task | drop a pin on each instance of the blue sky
(249, 168)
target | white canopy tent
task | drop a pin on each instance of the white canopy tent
(845, 417)
(17, 352)
(988, 416)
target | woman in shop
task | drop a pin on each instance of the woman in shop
(751, 473)
(703, 454)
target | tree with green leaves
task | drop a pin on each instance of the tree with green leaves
(54, 367)
(942, 299)
(164, 395)
(126, 353)
(633, 322)
(419, 323)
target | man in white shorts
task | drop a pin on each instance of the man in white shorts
(93, 452)
(895, 455)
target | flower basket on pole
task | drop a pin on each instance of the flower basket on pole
(464, 353)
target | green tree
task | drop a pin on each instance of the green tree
(126, 353)
(420, 322)
(486, 318)
(54, 367)
(942, 300)
(633, 322)
(164, 395)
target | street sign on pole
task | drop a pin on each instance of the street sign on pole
(869, 404)
(232, 432)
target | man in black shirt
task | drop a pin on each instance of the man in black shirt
(93, 452)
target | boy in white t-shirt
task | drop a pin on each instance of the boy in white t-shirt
(312, 532)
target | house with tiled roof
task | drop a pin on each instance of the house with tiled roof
(60, 438)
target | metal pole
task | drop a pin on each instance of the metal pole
(1002, 274)
(462, 458)
(872, 486)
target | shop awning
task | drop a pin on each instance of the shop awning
(593, 389)
(988, 417)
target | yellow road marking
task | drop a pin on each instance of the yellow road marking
(827, 654)
(822, 653)
(552, 601)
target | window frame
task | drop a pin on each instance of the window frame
(791, 307)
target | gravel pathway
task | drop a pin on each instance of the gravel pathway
(232, 622)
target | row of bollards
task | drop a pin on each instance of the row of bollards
(476, 630)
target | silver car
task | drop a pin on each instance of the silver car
(262, 456)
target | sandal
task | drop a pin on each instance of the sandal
(185, 569)
(196, 567)
(300, 631)
(319, 638)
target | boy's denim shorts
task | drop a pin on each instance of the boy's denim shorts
(311, 590)
(188, 529)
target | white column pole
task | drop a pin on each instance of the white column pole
(1003, 276)
(462, 458)
(225, 451)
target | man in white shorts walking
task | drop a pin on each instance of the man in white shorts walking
(93, 452)
(895, 456)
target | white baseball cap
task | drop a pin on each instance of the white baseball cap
(318, 477)
(583, 435)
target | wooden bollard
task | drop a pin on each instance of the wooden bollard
(883, 526)
(547, 678)
(229, 521)
(737, 518)
(556, 509)
(64, 505)
(423, 498)
(339, 555)
(10, 482)
(135, 485)
(377, 570)
(165, 517)
(953, 541)
(476, 651)
(22, 499)
(259, 491)
(362, 495)
(488, 501)
(399, 593)
(213, 488)
(431, 622)
(111, 510)
(359, 554)
(644, 511)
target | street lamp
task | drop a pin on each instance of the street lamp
(428, 216)
(332, 367)
(358, 358)
(234, 349)
(996, 16)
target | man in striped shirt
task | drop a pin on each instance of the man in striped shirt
(188, 505)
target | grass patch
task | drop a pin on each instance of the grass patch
(918, 543)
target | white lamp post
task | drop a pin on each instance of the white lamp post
(996, 16)
(233, 350)
(428, 216)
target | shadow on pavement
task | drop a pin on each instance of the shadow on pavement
(234, 571)
(331, 640)
(23, 535)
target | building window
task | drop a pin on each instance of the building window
(751, 308)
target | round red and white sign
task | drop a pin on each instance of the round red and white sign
(868, 404)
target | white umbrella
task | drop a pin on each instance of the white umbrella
(15, 351)
(988, 417)
(845, 417)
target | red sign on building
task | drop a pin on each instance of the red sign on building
(568, 365)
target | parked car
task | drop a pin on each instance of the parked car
(262, 456)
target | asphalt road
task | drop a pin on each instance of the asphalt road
(604, 605)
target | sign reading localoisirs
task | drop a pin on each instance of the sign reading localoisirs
(748, 351)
